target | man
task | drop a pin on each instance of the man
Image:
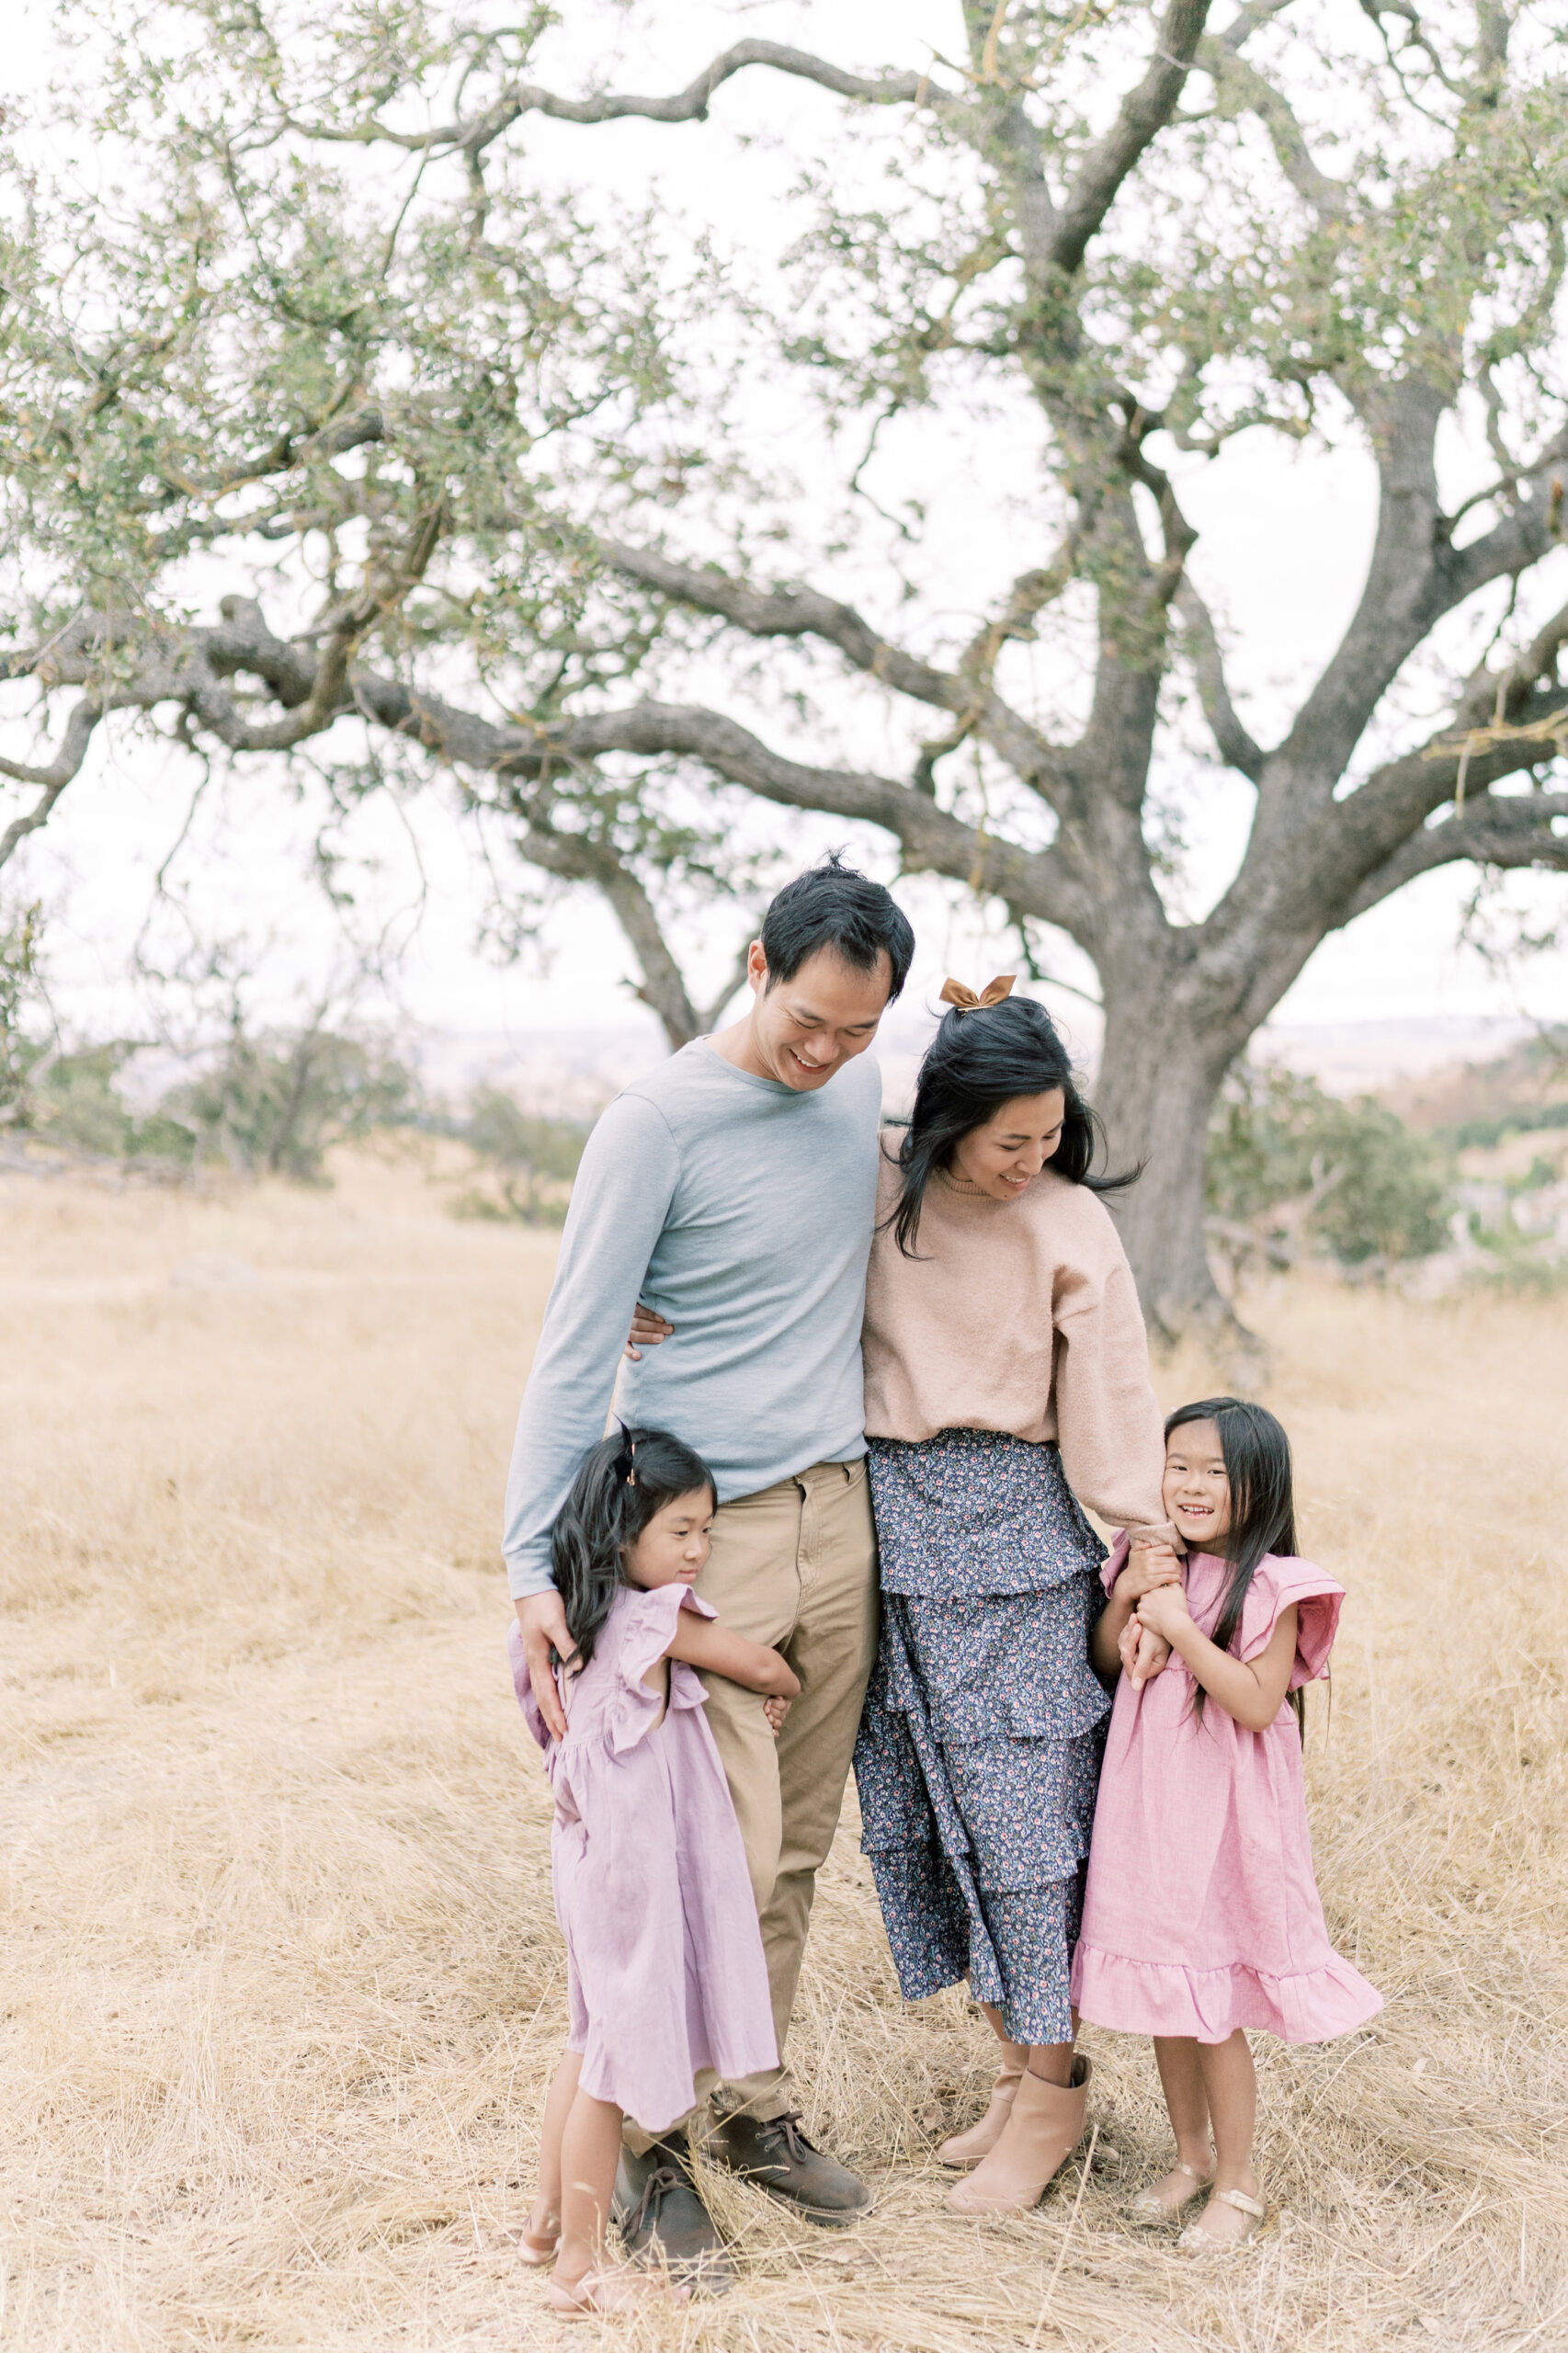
(734, 1192)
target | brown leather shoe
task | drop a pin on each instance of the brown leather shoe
(965, 2149)
(1042, 2134)
(662, 2219)
(773, 2152)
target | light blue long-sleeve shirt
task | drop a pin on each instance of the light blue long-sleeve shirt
(743, 1211)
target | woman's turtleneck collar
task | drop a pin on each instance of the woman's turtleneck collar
(968, 1190)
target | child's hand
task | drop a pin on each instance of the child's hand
(775, 1710)
(1151, 1658)
(1164, 1611)
(1148, 1567)
(1142, 1653)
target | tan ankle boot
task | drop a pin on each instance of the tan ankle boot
(1045, 2127)
(965, 2149)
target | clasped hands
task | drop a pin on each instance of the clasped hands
(1151, 1583)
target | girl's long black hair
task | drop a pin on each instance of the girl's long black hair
(1263, 1507)
(620, 1484)
(978, 1061)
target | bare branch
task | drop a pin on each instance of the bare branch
(1530, 525)
(1369, 829)
(1144, 113)
(85, 717)
(1513, 831)
(1247, 19)
(577, 858)
(728, 987)
(1496, 698)
(1245, 86)
(806, 613)
(931, 840)
(191, 667)
(476, 133)
(1235, 744)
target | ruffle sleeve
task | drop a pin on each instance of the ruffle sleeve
(647, 1630)
(1318, 1599)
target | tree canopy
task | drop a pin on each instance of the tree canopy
(337, 422)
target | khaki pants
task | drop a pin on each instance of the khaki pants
(795, 1567)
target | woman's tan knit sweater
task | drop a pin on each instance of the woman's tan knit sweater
(1016, 1315)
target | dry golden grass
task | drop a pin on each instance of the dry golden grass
(281, 1984)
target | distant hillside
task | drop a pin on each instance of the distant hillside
(1476, 1103)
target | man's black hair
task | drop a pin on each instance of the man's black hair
(831, 905)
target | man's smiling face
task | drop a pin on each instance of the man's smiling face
(805, 1029)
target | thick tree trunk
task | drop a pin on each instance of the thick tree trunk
(1160, 1071)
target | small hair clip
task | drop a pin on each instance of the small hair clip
(626, 1460)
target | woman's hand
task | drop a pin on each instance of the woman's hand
(1149, 1566)
(776, 1709)
(1164, 1611)
(648, 1328)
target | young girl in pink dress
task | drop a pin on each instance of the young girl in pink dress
(665, 1969)
(1202, 1915)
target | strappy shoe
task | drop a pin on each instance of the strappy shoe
(613, 2290)
(538, 2247)
(1149, 2211)
(1195, 2240)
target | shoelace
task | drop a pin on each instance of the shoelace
(659, 2184)
(787, 2128)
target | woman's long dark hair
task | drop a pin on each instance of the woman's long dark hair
(978, 1061)
(1263, 1507)
(620, 1485)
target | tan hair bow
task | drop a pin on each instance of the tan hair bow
(955, 992)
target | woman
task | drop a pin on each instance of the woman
(1006, 1379)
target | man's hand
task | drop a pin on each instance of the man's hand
(776, 1709)
(542, 1618)
(648, 1328)
(1148, 1566)
(1164, 1611)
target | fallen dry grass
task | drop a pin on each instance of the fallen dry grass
(279, 1983)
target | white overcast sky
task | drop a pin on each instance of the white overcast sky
(1283, 538)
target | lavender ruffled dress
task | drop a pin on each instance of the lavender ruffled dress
(665, 1968)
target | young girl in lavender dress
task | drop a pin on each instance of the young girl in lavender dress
(1201, 1916)
(665, 1969)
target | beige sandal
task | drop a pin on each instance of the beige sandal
(1195, 2240)
(1148, 2211)
(613, 2290)
(539, 2247)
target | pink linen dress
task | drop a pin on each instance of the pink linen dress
(665, 1968)
(1201, 1912)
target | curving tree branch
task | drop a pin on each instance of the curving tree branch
(792, 611)
(1516, 830)
(1231, 739)
(1142, 115)
(474, 134)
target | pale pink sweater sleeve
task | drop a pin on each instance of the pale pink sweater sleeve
(1107, 1418)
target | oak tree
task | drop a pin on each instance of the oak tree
(337, 422)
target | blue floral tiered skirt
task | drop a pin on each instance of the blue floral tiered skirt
(979, 1752)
